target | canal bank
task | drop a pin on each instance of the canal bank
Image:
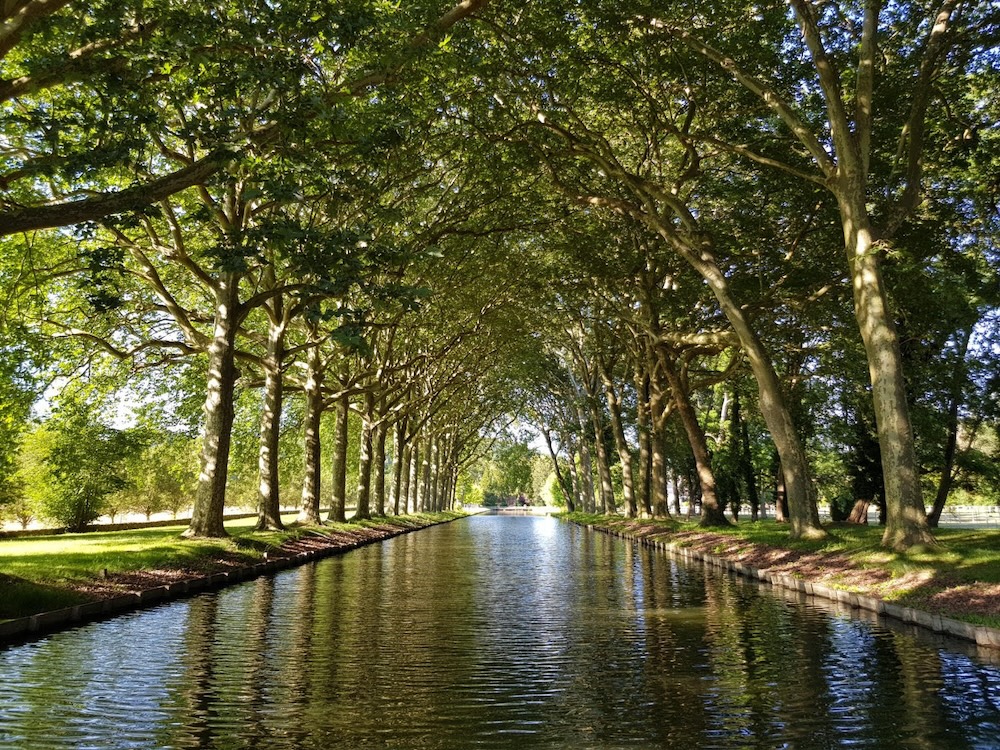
(500, 633)
(831, 576)
(118, 592)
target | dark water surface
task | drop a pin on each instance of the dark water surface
(493, 632)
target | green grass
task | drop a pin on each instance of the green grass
(38, 573)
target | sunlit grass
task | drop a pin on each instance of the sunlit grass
(38, 573)
(68, 557)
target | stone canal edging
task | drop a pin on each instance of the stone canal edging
(982, 636)
(25, 628)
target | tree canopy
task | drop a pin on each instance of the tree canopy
(361, 239)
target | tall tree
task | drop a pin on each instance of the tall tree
(861, 132)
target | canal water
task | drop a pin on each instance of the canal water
(494, 632)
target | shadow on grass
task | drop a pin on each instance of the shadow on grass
(20, 598)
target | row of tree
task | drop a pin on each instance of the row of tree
(436, 218)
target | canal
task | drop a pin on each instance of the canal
(494, 632)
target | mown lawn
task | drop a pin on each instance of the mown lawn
(45, 572)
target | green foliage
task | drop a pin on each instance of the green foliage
(162, 476)
(552, 493)
(35, 479)
(541, 472)
(88, 463)
(18, 390)
(506, 474)
(427, 228)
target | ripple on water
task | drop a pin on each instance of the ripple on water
(493, 633)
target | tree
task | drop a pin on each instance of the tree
(582, 129)
(163, 476)
(862, 133)
(88, 464)
(93, 76)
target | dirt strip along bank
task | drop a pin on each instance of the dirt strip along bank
(124, 592)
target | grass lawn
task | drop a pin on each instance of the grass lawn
(47, 572)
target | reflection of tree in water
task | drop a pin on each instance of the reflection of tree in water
(293, 689)
(457, 636)
(194, 692)
(969, 700)
(256, 682)
(47, 707)
(332, 605)
(672, 643)
(767, 661)
(917, 712)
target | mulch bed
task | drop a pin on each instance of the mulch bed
(117, 584)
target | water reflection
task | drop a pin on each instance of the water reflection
(495, 632)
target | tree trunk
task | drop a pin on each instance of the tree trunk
(427, 501)
(453, 487)
(644, 430)
(414, 481)
(268, 491)
(951, 441)
(309, 513)
(434, 493)
(338, 499)
(624, 454)
(658, 478)
(803, 513)
(365, 460)
(711, 513)
(398, 435)
(675, 491)
(906, 519)
(404, 488)
(780, 496)
(659, 410)
(586, 473)
(859, 513)
(607, 493)
(576, 482)
(567, 488)
(378, 467)
(423, 471)
(217, 432)
(746, 459)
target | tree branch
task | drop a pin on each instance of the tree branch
(22, 14)
(71, 212)
(911, 138)
(763, 91)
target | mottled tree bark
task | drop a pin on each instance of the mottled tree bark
(959, 376)
(338, 498)
(906, 519)
(404, 489)
(398, 438)
(309, 512)
(268, 489)
(624, 453)
(607, 493)
(217, 431)
(711, 512)
(378, 467)
(365, 460)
